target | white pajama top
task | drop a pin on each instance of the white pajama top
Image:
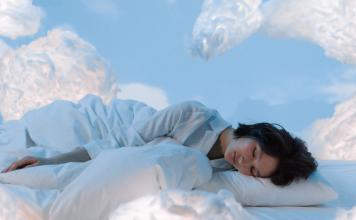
(190, 123)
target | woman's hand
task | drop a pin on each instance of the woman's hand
(79, 155)
(27, 162)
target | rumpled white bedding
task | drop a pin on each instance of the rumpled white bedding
(62, 127)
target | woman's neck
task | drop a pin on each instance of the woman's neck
(220, 146)
(226, 137)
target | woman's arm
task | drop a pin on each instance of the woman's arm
(80, 155)
(177, 121)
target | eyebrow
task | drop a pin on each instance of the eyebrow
(259, 158)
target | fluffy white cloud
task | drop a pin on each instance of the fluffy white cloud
(330, 24)
(177, 204)
(338, 91)
(152, 96)
(341, 86)
(3, 48)
(221, 25)
(346, 214)
(59, 66)
(19, 18)
(106, 8)
(334, 138)
(224, 24)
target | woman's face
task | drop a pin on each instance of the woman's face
(246, 155)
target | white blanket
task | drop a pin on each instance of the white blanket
(62, 127)
(93, 189)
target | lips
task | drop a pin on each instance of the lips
(234, 158)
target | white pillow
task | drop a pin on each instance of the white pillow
(254, 191)
(121, 175)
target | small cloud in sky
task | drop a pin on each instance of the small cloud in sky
(19, 18)
(105, 8)
(151, 96)
(283, 91)
(341, 86)
(339, 91)
(335, 87)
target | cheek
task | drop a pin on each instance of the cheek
(244, 171)
(250, 148)
(229, 150)
(228, 156)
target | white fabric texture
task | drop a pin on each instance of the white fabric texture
(45, 177)
(19, 202)
(122, 175)
(262, 192)
(63, 126)
(173, 204)
(341, 175)
(190, 123)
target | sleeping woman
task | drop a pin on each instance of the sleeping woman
(260, 150)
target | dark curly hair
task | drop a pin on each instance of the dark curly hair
(294, 160)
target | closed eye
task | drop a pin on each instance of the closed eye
(253, 156)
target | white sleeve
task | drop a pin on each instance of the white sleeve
(177, 121)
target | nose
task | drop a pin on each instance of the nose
(243, 161)
(244, 165)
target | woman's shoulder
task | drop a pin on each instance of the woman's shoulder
(191, 105)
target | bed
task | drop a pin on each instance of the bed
(38, 193)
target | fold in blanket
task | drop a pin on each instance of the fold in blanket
(62, 127)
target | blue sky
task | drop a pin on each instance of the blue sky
(290, 82)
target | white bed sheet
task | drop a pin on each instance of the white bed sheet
(341, 175)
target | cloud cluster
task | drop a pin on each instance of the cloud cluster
(19, 18)
(151, 96)
(330, 24)
(59, 66)
(177, 204)
(106, 8)
(221, 25)
(334, 138)
(346, 214)
(224, 24)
